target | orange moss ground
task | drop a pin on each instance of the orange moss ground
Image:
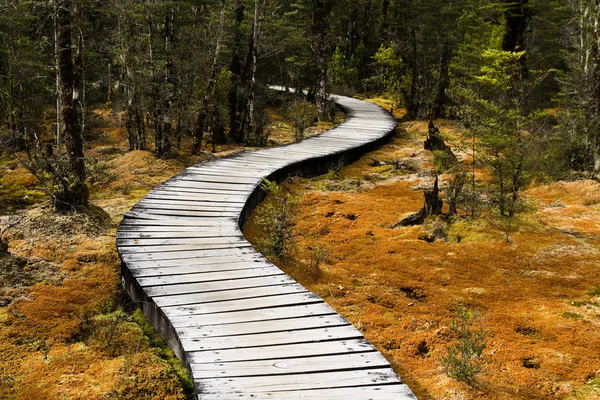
(534, 293)
(73, 336)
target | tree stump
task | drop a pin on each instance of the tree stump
(432, 206)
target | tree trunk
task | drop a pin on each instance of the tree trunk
(253, 128)
(169, 82)
(73, 190)
(236, 129)
(517, 16)
(439, 108)
(201, 121)
(59, 143)
(432, 205)
(320, 21)
(595, 142)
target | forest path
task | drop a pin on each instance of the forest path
(241, 325)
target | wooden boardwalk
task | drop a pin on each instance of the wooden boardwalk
(241, 326)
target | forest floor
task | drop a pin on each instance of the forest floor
(67, 329)
(538, 295)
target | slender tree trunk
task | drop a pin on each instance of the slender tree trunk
(73, 189)
(517, 16)
(439, 108)
(320, 21)
(412, 107)
(321, 93)
(59, 143)
(169, 82)
(595, 142)
(236, 129)
(203, 115)
(253, 129)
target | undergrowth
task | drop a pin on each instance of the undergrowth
(465, 359)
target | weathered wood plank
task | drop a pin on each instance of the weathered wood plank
(168, 241)
(290, 366)
(239, 279)
(207, 264)
(264, 326)
(177, 248)
(252, 294)
(281, 351)
(371, 392)
(257, 315)
(174, 313)
(270, 339)
(323, 380)
(171, 255)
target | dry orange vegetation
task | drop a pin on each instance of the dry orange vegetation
(537, 295)
(67, 330)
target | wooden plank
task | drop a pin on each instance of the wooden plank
(286, 366)
(371, 392)
(270, 339)
(192, 196)
(252, 294)
(183, 213)
(177, 181)
(268, 326)
(196, 269)
(176, 248)
(180, 219)
(174, 313)
(258, 315)
(216, 263)
(173, 234)
(186, 176)
(239, 279)
(179, 240)
(189, 204)
(281, 351)
(177, 223)
(323, 380)
(171, 255)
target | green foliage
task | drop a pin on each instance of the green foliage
(465, 359)
(302, 114)
(99, 173)
(275, 218)
(390, 74)
(317, 255)
(595, 291)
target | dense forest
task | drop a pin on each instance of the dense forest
(522, 75)
(100, 101)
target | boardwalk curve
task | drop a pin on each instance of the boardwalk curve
(242, 327)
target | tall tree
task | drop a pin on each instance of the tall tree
(74, 192)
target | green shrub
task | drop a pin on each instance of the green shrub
(301, 114)
(465, 359)
(275, 218)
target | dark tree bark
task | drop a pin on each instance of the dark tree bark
(74, 192)
(203, 114)
(595, 139)
(236, 128)
(441, 99)
(432, 205)
(435, 142)
(517, 16)
(320, 23)
(412, 107)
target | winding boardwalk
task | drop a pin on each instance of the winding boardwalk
(241, 325)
